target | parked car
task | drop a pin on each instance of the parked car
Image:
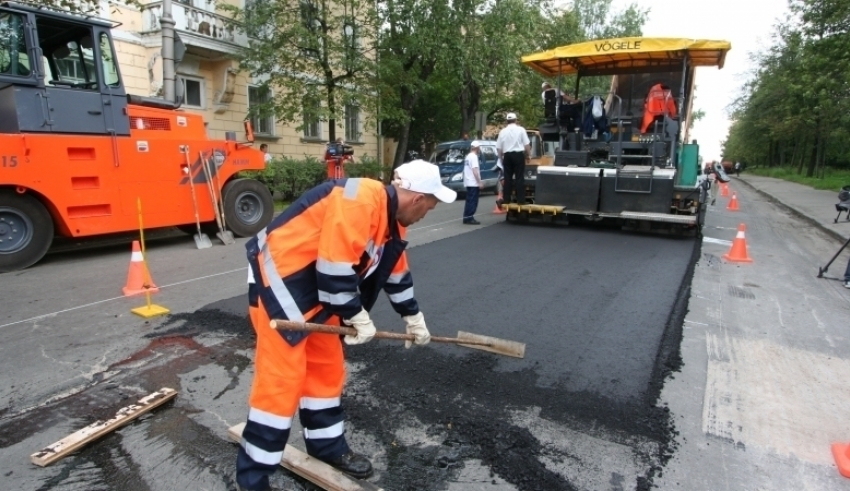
(449, 157)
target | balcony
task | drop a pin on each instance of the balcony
(205, 33)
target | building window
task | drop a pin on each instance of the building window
(351, 45)
(261, 121)
(193, 91)
(312, 122)
(352, 123)
(312, 42)
(349, 32)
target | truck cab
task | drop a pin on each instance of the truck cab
(59, 74)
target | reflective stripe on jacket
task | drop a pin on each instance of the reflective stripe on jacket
(318, 258)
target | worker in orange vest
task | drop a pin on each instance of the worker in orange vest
(659, 102)
(325, 259)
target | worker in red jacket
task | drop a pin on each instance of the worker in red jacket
(325, 259)
(659, 102)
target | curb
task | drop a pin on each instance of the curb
(837, 236)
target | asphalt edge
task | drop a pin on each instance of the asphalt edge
(837, 236)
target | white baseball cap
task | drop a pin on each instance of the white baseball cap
(511, 116)
(545, 84)
(475, 144)
(424, 177)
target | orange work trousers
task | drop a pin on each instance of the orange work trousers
(308, 377)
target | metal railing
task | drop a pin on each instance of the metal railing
(199, 21)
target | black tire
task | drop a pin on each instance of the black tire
(248, 206)
(26, 231)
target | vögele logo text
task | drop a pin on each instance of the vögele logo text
(617, 46)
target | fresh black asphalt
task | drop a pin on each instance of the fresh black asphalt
(600, 311)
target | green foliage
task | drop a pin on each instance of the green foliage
(294, 176)
(832, 180)
(481, 69)
(367, 166)
(315, 57)
(288, 177)
(793, 112)
(424, 67)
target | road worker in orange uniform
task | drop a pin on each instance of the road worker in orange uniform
(325, 259)
(659, 102)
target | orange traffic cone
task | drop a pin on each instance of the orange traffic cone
(138, 278)
(738, 252)
(841, 454)
(724, 190)
(497, 210)
(733, 203)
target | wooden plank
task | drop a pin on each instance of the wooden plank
(78, 439)
(311, 469)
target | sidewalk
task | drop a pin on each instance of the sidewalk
(815, 205)
(762, 392)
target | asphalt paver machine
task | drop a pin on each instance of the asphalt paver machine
(627, 159)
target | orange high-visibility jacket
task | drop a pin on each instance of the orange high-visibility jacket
(330, 253)
(659, 101)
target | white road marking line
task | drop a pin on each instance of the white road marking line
(711, 240)
(186, 281)
(78, 307)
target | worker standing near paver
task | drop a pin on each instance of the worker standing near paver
(325, 260)
(514, 149)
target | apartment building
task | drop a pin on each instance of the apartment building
(212, 82)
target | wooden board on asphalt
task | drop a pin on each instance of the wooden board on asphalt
(80, 438)
(313, 470)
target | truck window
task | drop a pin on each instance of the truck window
(107, 58)
(69, 49)
(14, 59)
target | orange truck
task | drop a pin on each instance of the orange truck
(77, 152)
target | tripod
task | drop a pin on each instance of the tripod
(822, 270)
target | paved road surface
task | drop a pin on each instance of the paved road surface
(754, 406)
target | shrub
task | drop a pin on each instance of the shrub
(294, 176)
(365, 166)
(289, 178)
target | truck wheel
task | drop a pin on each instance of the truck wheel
(248, 206)
(26, 231)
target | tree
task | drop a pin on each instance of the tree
(486, 65)
(490, 75)
(793, 111)
(314, 57)
(414, 38)
(597, 21)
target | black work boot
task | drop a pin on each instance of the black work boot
(353, 464)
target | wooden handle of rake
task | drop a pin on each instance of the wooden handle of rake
(350, 331)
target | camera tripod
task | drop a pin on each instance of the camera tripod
(822, 270)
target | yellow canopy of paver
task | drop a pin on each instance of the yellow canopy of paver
(628, 55)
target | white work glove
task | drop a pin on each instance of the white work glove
(416, 326)
(365, 328)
